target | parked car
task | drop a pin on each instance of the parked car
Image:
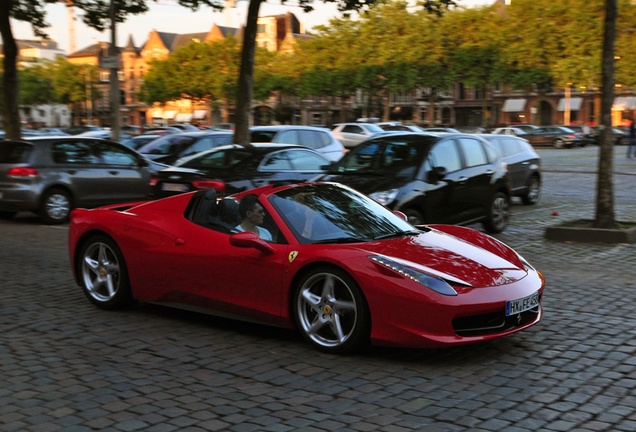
(524, 166)
(440, 130)
(352, 134)
(226, 126)
(509, 131)
(170, 148)
(131, 130)
(315, 138)
(555, 136)
(401, 128)
(24, 133)
(586, 133)
(471, 129)
(432, 178)
(139, 141)
(103, 134)
(184, 127)
(161, 130)
(74, 130)
(53, 175)
(358, 274)
(231, 169)
(52, 131)
(621, 136)
(527, 128)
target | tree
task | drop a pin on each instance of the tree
(36, 86)
(246, 75)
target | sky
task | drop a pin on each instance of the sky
(167, 16)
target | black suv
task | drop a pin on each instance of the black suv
(448, 178)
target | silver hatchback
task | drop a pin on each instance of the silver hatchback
(53, 175)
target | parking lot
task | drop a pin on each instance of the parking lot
(68, 366)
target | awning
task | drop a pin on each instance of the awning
(183, 118)
(575, 104)
(514, 105)
(624, 103)
(169, 115)
(199, 114)
(157, 113)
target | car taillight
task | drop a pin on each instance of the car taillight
(207, 184)
(153, 181)
(572, 136)
(23, 172)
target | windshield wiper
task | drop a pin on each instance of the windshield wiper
(340, 240)
(397, 234)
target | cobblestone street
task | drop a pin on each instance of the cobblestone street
(68, 366)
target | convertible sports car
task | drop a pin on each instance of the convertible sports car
(320, 257)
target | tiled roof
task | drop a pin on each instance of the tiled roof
(100, 48)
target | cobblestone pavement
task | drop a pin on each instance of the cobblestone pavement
(67, 366)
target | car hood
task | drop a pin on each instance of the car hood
(477, 261)
(366, 183)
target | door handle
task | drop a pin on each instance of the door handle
(490, 171)
(71, 172)
(113, 172)
(462, 180)
(526, 163)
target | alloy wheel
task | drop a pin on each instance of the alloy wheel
(101, 272)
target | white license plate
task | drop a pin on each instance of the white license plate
(517, 306)
(174, 187)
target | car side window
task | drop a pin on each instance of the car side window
(304, 160)
(446, 155)
(491, 153)
(352, 129)
(308, 139)
(73, 152)
(473, 151)
(323, 139)
(361, 158)
(113, 155)
(511, 147)
(276, 162)
(498, 144)
(222, 140)
(288, 137)
(205, 143)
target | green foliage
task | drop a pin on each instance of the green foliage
(36, 85)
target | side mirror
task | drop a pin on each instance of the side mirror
(436, 174)
(143, 163)
(251, 240)
(401, 215)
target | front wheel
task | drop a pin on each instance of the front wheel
(56, 206)
(498, 213)
(103, 274)
(414, 217)
(531, 197)
(330, 311)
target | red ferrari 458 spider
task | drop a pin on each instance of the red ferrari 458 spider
(320, 257)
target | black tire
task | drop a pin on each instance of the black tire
(103, 275)
(56, 206)
(498, 213)
(331, 312)
(533, 194)
(6, 215)
(558, 143)
(414, 217)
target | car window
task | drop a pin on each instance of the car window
(353, 129)
(446, 155)
(473, 151)
(498, 144)
(304, 160)
(167, 145)
(14, 152)
(323, 139)
(222, 140)
(288, 137)
(114, 155)
(308, 139)
(263, 136)
(491, 153)
(512, 147)
(73, 152)
(276, 162)
(205, 143)
(361, 158)
(401, 157)
(221, 159)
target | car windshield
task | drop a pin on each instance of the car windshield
(328, 213)
(395, 156)
(170, 144)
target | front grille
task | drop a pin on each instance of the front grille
(493, 323)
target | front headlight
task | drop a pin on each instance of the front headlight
(385, 197)
(433, 283)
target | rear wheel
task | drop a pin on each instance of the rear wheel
(532, 195)
(330, 311)
(103, 274)
(558, 143)
(56, 206)
(499, 213)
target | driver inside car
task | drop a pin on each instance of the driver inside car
(252, 215)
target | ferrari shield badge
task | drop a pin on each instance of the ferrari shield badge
(292, 256)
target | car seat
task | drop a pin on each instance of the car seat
(228, 214)
(206, 209)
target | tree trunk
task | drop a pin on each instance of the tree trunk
(484, 109)
(10, 83)
(114, 76)
(387, 107)
(431, 108)
(245, 91)
(605, 180)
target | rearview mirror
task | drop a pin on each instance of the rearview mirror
(250, 240)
